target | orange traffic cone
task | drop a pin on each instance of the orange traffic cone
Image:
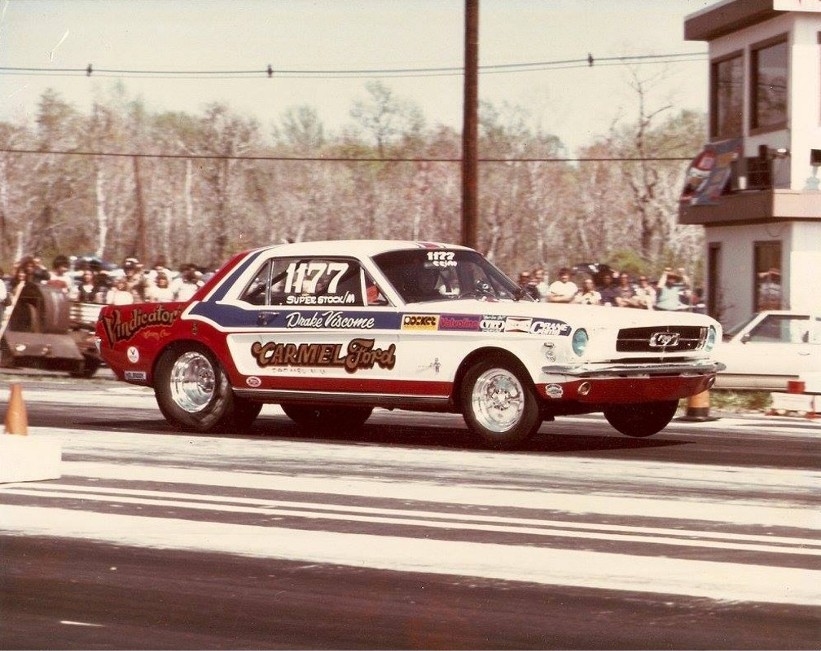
(16, 417)
(698, 408)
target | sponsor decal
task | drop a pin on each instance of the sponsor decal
(160, 333)
(549, 327)
(253, 381)
(135, 375)
(360, 354)
(227, 316)
(492, 324)
(517, 324)
(118, 329)
(420, 322)
(133, 354)
(332, 320)
(664, 339)
(554, 391)
(456, 322)
(348, 298)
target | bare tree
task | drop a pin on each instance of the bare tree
(385, 117)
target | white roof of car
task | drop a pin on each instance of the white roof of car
(358, 247)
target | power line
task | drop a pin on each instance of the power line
(271, 72)
(339, 159)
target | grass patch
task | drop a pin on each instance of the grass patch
(726, 400)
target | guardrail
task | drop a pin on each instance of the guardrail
(84, 315)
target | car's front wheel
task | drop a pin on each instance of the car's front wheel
(499, 404)
(642, 419)
(192, 390)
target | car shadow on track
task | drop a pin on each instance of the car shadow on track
(553, 438)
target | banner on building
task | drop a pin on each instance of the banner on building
(710, 171)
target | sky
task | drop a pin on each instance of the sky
(574, 102)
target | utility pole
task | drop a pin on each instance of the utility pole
(470, 125)
(140, 245)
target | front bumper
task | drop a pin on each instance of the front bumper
(635, 370)
(603, 384)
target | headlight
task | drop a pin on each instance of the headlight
(580, 340)
(712, 337)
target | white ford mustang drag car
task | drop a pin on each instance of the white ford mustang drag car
(330, 330)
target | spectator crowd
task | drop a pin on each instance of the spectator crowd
(88, 280)
(671, 292)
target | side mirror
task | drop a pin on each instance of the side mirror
(745, 337)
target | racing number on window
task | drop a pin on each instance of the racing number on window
(304, 277)
(442, 258)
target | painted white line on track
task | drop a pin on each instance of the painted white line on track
(741, 512)
(608, 571)
(432, 520)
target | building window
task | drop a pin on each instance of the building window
(767, 280)
(726, 97)
(769, 73)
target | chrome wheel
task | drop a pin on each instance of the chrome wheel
(192, 382)
(498, 400)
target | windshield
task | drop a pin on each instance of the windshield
(423, 275)
(729, 333)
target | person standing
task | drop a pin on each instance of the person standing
(89, 289)
(540, 281)
(120, 294)
(160, 291)
(645, 294)
(528, 285)
(187, 284)
(60, 275)
(625, 294)
(669, 292)
(588, 295)
(563, 290)
(609, 292)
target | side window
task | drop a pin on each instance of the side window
(257, 291)
(310, 282)
(373, 294)
(782, 329)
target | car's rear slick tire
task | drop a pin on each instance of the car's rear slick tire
(641, 419)
(499, 404)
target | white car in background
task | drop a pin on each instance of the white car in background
(769, 349)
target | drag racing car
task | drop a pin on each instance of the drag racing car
(332, 330)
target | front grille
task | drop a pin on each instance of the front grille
(648, 360)
(660, 339)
